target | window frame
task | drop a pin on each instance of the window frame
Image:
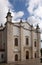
(2, 56)
(35, 55)
(16, 41)
(27, 54)
(35, 42)
(16, 57)
(27, 40)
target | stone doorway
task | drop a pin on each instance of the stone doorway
(16, 57)
(27, 54)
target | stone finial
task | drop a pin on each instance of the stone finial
(9, 13)
(37, 26)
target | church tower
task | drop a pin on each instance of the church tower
(10, 39)
(9, 17)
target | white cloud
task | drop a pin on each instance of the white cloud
(34, 20)
(34, 7)
(18, 15)
(38, 12)
(33, 4)
(5, 5)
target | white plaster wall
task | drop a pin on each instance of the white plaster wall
(16, 34)
(10, 55)
(27, 26)
(16, 31)
(34, 35)
(28, 34)
(25, 33)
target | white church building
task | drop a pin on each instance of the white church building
(19, 41)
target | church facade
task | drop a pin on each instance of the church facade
(19, 41)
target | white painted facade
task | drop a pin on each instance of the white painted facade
(20, 30)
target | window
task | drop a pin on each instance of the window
(2, 56)
(35, 55)
(4, 45)
(16, 41)
(27, 55)
(16, 57)
(35, 43)
(27, 41)
(41, 51)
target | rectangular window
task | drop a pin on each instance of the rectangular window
(16, 41)
(2, 56)
(27, 41)
(35, 55)
(35, 43)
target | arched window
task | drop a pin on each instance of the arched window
(2, 56)
(27, 41)
(35, 55)
(16, 57)
(16, 41)
(27, 55)
(35, 43)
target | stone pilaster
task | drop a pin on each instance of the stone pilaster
(10, 39)
(31, 42)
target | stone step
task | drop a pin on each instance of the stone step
(29, 61)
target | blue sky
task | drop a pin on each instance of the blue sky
(20, 5)
(22, 9)
(30, 9)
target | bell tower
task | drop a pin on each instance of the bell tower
(9, 17)
(9, 37)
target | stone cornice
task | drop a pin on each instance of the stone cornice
(14, 24)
